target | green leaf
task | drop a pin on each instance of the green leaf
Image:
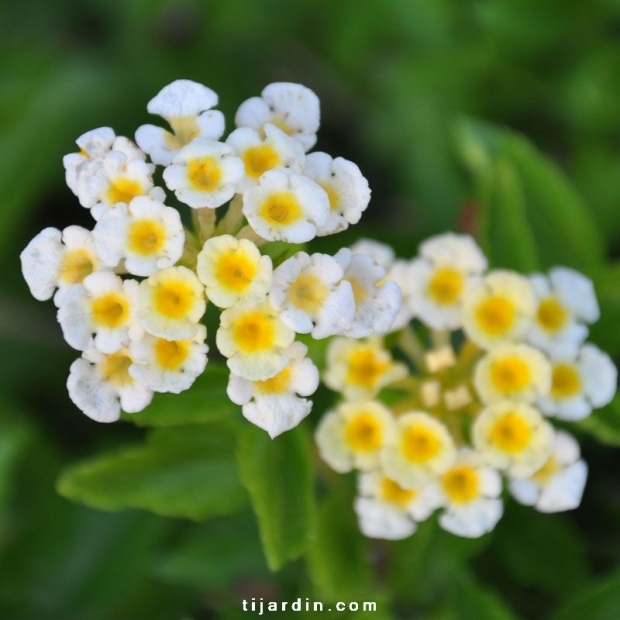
(599, 602)
(337, 559)
(470, 600)
(181, 472)
(205, 401)
(604, 424)
(563, 227)
(605, 331)
(279, 478)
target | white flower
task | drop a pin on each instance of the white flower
(55, 259)
(512, 371)
(470, 493)
(186, 105)
(377, 302)
(101, 385)
(581, 380)
(558, 485)
(171, 302)
(311, 295)
(113, 179)
(169, 365)
(346, 188)
(386, 510)
(440, 277)
(381, 253)
(233, 271)
(254, 340)
(359, 369)
(421, 450)
(204, 174)
(272, 151)
(286, 206)
(147, 234)
(498, 309)
(293, 108)
(103, 305)
(276, 405)
(566, 300)
(353, 435)
(513, 437)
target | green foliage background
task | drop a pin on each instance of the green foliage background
(498, 117)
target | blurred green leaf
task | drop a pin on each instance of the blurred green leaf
(206, 401)
(604, 424)
(564, 229)
(278, 475)
(337, 559)
(600, 601)
(605, 331)
(471, 600)
(182, 472)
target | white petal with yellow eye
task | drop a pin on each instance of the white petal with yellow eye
(379, 520)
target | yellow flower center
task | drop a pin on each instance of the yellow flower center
(496, 315)
(333, 194)
(115, 369)
(446, 286)
(392, 492)
(364, 432)
(511, 433)
(461, 484)
(185, 130)
(146, 237)
(551, 315)
(547, 471)
(259, 159)
(173, 299)
(419, 443)
(254, 332)
(510, 375)
(110, 310)
(76, 265)
(281, 209)
(235, 271)
(170, 354)
(282, 125)
(280, 384)
(565, 381)
(204, 173)
(365, 368)
(308, 293)
(360, 294)
(123, 190)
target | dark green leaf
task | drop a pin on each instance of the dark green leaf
(604, 424)
(183, 472)
(605, 331)
(279, 478)
(470, 600)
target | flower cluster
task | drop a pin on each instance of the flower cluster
(486, 359)
(131, 293)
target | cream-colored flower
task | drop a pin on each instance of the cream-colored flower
(286, 206)
(100, 312)
(353, 435)
(293, 108)
(171, 302)
(498, 309)
(57, 260)
(359, 369)
(421, 450)
(512, 372)
(101, 385)
(234, 271)
(186, 105)
(277, 405)
(145, 234)
(169, 365)
(254, 340)
(311, 295)
(513, 437)
(582, 379)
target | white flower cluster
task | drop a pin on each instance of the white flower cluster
(131, 293)
(493, 357)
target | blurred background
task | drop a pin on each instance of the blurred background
(413, 91)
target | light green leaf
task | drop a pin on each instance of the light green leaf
(604, 424)
(279, 478)
(181, 472)
(205, 401)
